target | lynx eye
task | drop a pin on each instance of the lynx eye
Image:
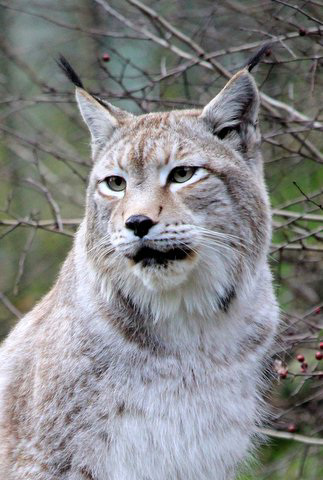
(117, 184)
(181, 174)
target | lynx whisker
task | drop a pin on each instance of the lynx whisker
(232, 242)
(218, 234)
(230, 248)
(103, 241)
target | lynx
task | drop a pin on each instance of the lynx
(145, 361)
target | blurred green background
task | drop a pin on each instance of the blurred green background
(142, 62)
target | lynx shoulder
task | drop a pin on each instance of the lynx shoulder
(145, 360)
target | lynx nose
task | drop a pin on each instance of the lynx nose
(139, 224)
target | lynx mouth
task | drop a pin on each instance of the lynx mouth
(149, 256)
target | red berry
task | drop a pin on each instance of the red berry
(291, 428)
(283, 373)
(304, 365)
(105, 57)
(317, 310)
(319, 355)
(300, 358)
(321, 345)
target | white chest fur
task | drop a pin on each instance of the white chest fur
(174, 418)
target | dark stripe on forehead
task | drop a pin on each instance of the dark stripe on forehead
(148, 134)
(144, 146)
(120, 155)
(154, 121)
(150, 151)
(139, 151)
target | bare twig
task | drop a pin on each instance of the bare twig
(291, 436)
(12, 309)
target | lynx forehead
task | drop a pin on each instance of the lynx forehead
(148, 346)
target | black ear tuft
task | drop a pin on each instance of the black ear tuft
(68, 70)
(255, 59)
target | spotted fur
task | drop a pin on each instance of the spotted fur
(133, 371)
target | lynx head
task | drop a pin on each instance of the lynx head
(176, 200)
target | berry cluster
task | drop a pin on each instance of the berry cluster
(301, 358)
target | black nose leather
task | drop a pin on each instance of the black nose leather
(139, 224)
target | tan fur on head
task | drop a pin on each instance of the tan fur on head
(152, 342)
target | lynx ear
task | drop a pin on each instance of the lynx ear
(101, 118)
(232, 114)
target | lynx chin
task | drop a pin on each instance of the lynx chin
(145, 361)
